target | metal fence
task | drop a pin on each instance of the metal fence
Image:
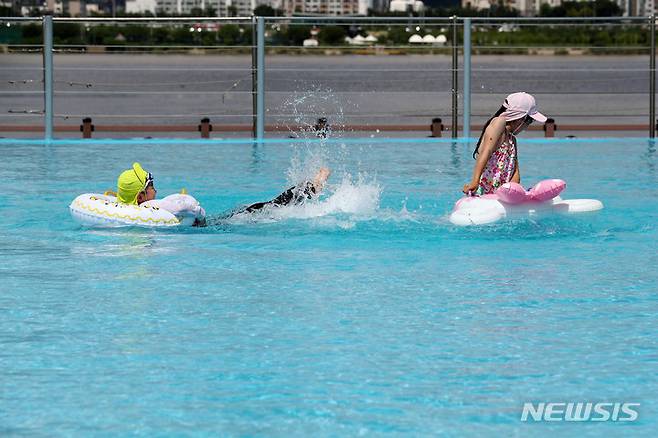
(259, 74)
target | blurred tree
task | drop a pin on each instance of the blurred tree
(332, 35)
(229, 34)
(297, 34)
(32, 33)
(264, 11)
(599, 8)
(398, 35)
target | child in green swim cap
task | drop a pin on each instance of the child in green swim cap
(135, 186)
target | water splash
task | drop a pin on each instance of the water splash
(354, 199)
(304, 108)
(307, 159)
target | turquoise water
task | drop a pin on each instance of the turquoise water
(362, 314)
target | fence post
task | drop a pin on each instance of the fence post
(549, 128)
(652, 78)
(205, 127)
(455, 85)
(466, 130)
(87, 127)
(260, 80)
(48, 75)
(254, 66)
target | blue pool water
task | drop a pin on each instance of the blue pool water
(363, 314)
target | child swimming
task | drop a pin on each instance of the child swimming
(496, 152)
(135, 186)
(295, 195)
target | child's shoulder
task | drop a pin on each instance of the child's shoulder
(496, 127)
(498, 122)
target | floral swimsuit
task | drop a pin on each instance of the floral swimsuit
(500, 168)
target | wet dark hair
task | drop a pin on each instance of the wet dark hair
(501, 110)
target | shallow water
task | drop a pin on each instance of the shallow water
(364, 313)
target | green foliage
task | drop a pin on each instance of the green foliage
(499, 9)
(11, 34)
(264, 11)
(397, 35)
(246, 37)
(332, 35)
(161, 36)
(598, 8)
(32, 33)
(229, 35)
(136, 34)
(600, 35)
(182, 35)
(295, 35)
(67, 33)
(601, 39)
(486, 37)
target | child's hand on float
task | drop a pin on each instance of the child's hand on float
(470, 187)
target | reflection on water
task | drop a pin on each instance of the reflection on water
(650, 157)
(256, 152)
(455, 155)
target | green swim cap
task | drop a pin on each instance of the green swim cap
(131, 182)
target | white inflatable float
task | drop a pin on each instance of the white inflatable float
(95, 210)
(512, 200)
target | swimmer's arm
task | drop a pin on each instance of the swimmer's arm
(320, 180)
(517, 175)
(487, 147)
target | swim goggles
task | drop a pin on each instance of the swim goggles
(147, 181)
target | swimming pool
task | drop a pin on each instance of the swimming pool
(366, 313)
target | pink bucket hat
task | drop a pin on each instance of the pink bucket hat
(519, 105)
